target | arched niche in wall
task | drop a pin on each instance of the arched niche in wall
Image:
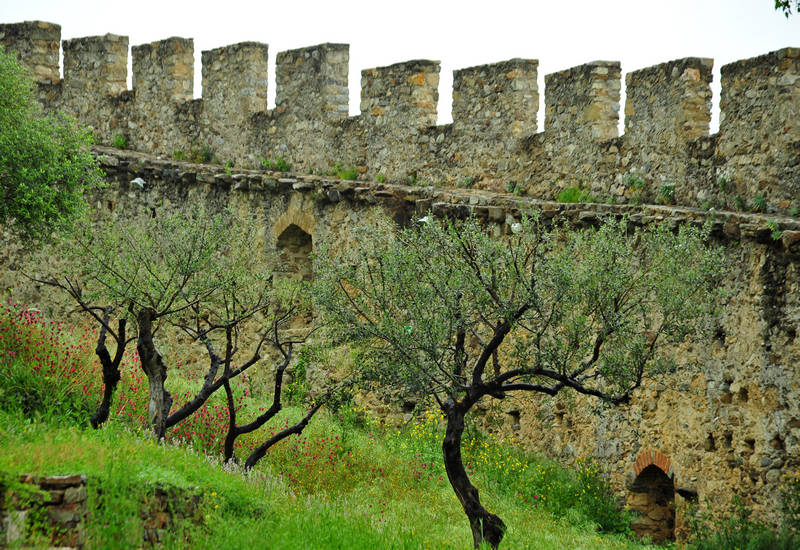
(652, 497)
(294, 248)
(294, 253)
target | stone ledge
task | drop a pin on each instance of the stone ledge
(779, 231)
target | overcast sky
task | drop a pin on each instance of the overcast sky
(559, 33)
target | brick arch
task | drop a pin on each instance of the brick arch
(294, 216)
(652, 457)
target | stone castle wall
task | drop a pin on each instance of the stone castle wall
(493, 142)
(728, 422)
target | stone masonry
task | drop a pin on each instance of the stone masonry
(726, 423)
(493, 142)
(53, 513)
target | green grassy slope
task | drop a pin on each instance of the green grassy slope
(345, 483)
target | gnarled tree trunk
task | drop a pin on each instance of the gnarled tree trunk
(485, 525)
(153, 366)
(111, 374)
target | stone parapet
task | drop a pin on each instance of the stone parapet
(582, 103)
(163, 71)
(401, 95)
(665, 155)
(759, 138)
(37, 46)
(501, 99)
(95, 67)
(312, 81)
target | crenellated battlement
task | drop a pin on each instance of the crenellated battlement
(498, 98)
(312, 82)
(583, 101)
(403, 94)
(493, 141)
(163, 71)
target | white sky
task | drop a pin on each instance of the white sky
(560, 34)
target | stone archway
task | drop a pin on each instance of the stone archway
(652, 495)
(294, 249)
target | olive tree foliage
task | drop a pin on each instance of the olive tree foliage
(190, 270)
(45, 164)
(446, 311)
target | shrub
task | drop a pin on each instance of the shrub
(45, 163)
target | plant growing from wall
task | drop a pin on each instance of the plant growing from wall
(666, 194)
(119, 142)
(203, 154)
(724, 182)
(444, 311)
(637, 187)
(575, 194)
(45, 164)
(343, 173)
(758, 203)
(774, 228)
(278, 164)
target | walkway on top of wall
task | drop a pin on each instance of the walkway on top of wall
(501, 208)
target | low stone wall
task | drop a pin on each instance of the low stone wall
(51, 513)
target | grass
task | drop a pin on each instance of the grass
(291, 509)
(119, 142)
(347, 482)
(575, 194)
(203, 154)
(278, 164)
(343, 172)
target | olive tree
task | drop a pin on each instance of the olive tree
(445, 310)
(45, 164)
(194, 271)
